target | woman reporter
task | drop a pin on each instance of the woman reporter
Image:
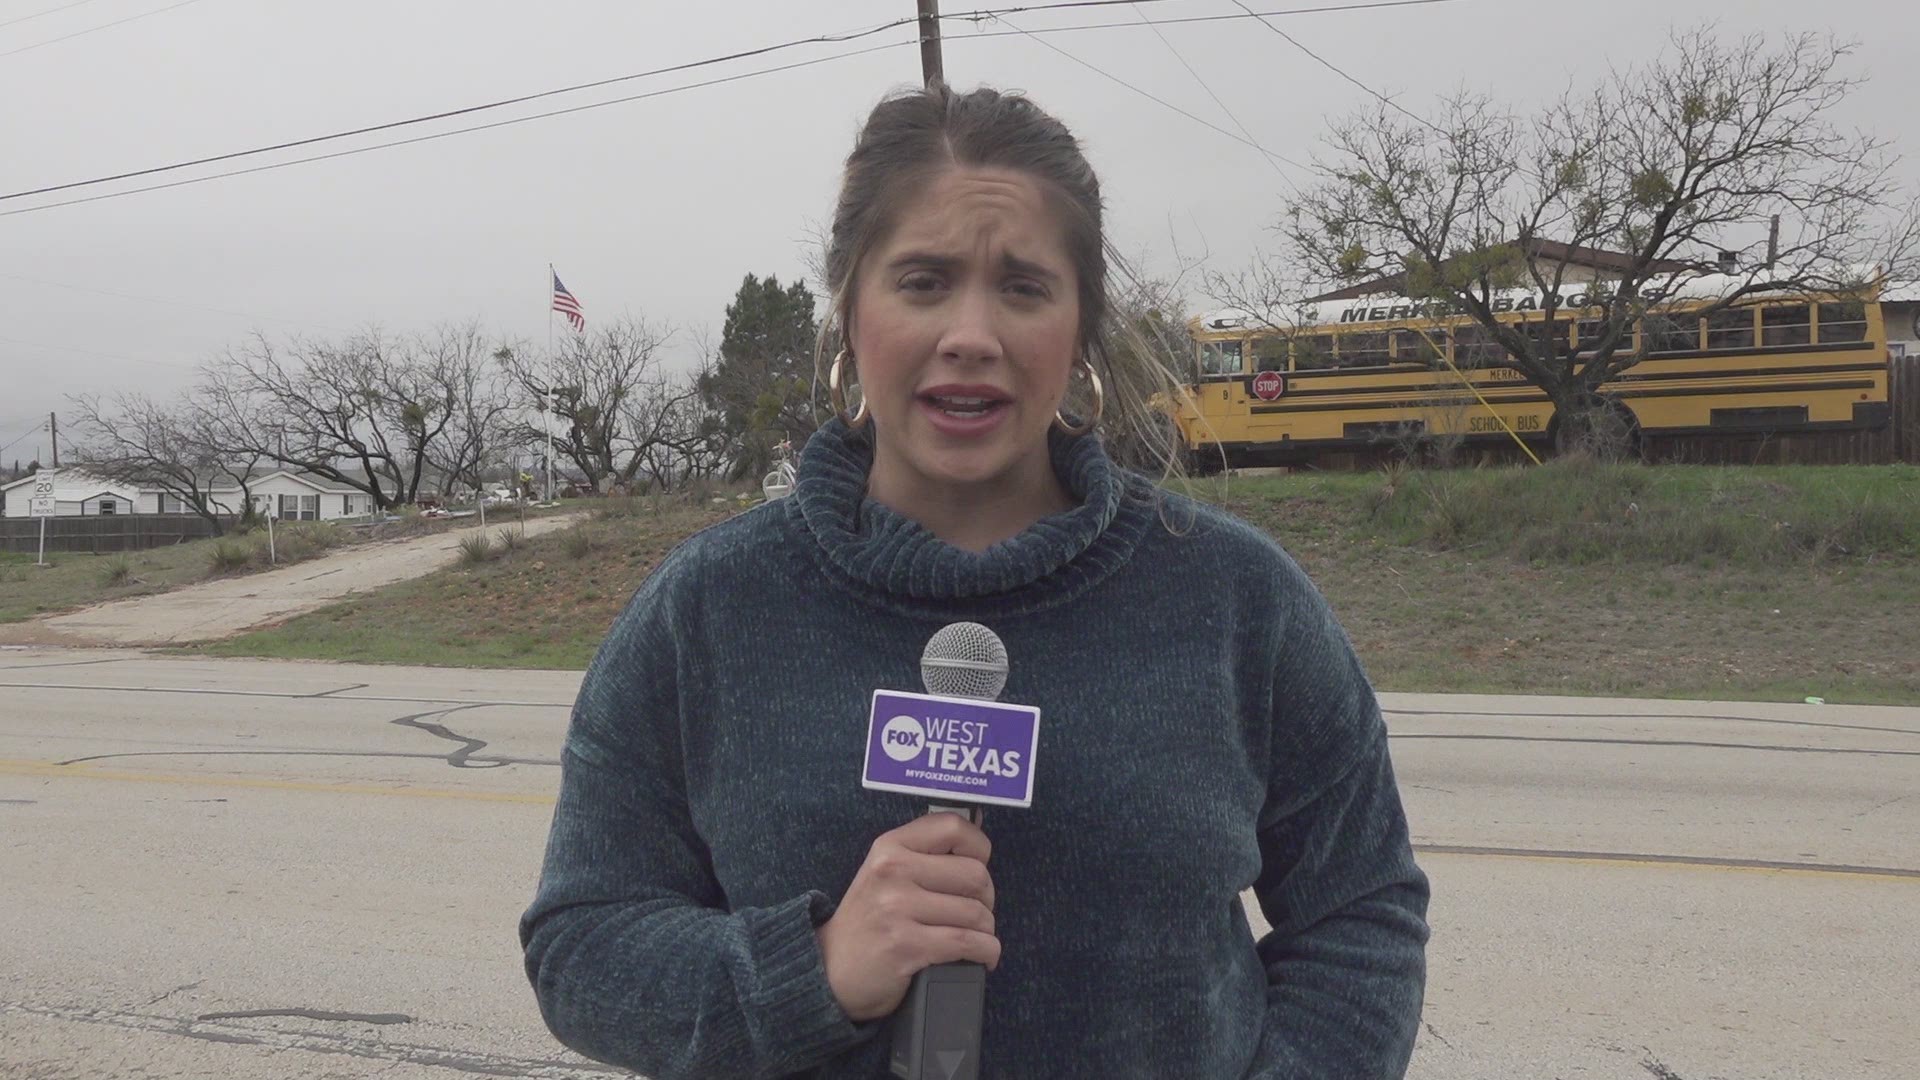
(721, 898)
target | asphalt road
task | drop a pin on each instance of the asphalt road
(263, 869)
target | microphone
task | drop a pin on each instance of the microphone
(936, 1032)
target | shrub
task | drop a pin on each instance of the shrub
(116, 571)
(578, 543)
(624, 507)
(476, 549)
(228, 556)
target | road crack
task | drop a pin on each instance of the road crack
(183, 986)
(1657, 1069)
(313, 1014)
(1884, 805)
(384, 1051)
(461, 758)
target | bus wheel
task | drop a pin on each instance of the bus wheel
(1203, 460)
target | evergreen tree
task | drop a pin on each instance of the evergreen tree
(762, 385)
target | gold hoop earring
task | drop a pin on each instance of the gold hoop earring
(1099, 405)
(839, 397)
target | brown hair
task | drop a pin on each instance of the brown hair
(913, 134)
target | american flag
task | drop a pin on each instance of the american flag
(565, 304)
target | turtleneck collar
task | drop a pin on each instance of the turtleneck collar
(890, 557)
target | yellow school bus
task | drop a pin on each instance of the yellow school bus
(1363, 373)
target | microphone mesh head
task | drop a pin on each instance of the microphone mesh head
(964, 659)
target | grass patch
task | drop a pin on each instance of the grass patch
(78, 580)
(1582, 578)
(1584, 512)
(532, 605)
(1579, 578)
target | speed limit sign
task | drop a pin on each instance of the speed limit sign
(40, 498)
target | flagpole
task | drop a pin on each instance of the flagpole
(552, 275)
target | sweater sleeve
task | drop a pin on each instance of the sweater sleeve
(633, 955)
(1346, 960)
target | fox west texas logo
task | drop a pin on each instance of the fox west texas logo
(947, 747)
(954, 746)
(903, 738)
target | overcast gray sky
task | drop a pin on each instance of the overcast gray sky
(658, 207)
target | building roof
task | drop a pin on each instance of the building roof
(67, 479)
(1390, 307)
(1551, 250)
(78, 477)
(317, 482)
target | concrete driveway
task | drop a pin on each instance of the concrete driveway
(217, 609)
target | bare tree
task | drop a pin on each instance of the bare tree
(476, 432)
(367, 412)
(141, 442)
(1717, 174)
(617, 411)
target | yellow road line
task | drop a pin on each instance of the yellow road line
(14, 767)
(48, 769)
(1868, 873)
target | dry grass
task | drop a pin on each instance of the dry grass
(1666, 582)
(531, 604)
(1579, 579)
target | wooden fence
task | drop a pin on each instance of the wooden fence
(97, 534)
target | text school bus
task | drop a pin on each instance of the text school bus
(1355, 374)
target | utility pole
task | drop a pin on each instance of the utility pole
(53, 430)
(931, 68)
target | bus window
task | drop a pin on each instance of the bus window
(1589, 331)
(1671, 333)
(1220, 358)
(1843, 322)
(1730, 329)
(1548, 339)
(1368, 349)
(1313, 352)
(1270, 354)
(1785, 324)
(1473, 347)
(1419, 346)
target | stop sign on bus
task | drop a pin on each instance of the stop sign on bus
(1269, 385)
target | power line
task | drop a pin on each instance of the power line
(28, 434)
(1331, 66)
(49, 11)
(1322, 10)
(466, 110)
(745, 54)
(455, 131)
(166, 302)
(95, 29)
(92, 352)
(1203, 85)
(1108, 75)
(971, 16)
(828, 39)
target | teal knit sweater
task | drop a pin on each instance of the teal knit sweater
(1205, 728)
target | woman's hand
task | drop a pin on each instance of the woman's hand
(922, 897)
